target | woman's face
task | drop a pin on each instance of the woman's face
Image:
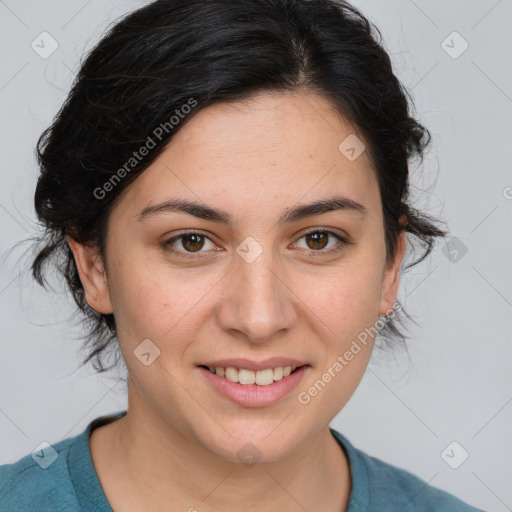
(255, 288)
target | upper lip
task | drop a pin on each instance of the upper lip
(248, 364)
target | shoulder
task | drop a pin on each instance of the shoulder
(408, 489)
(381, 486)
(40, 478)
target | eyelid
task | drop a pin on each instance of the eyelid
(323, 229)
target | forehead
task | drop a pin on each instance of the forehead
(266, 126)
(272, 147)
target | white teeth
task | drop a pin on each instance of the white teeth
(232, 374)
(260, 377)
(246, 377)
(278, 373)
(264, 377)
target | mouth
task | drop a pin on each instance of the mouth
(247, 377)
(253, 387)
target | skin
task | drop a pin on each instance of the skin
(177, 446)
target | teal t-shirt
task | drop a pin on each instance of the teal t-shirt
(62, 478)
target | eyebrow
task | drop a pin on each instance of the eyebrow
(201, 211)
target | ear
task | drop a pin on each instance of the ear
(93, 276)
(392, 274)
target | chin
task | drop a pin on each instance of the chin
(259, 443)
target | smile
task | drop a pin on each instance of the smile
(253, 388)
(247, 377)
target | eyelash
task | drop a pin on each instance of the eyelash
(167, 245)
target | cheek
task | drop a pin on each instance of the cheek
(152, 299)
(344, 309)
(345, 299)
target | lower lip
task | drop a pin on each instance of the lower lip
(253, 395)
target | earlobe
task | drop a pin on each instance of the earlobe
(392, 277)
(92, 275)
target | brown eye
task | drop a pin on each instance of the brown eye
(192, 242)
(318, 240)
(189, 243)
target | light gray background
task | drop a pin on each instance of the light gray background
(456, 386)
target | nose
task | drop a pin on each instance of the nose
(257, 302)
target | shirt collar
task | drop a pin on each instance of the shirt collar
(90, 494)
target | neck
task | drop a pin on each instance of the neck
(158, 465)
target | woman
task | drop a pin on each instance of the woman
(225, 191)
